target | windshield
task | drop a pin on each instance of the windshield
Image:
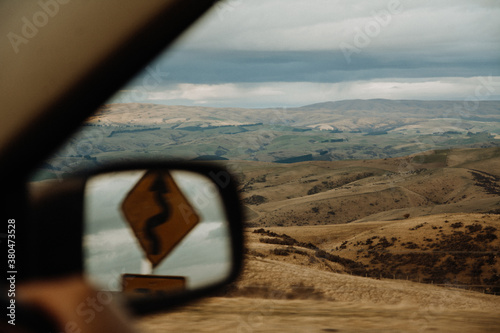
(366, 139)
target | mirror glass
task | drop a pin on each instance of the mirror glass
(155, 231)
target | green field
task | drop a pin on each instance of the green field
(329, 132)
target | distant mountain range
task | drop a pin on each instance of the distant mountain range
(405, 106)
(329, 131)
(344, 115)
(322, 131)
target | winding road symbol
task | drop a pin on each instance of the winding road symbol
(159, 214)
(159, 188)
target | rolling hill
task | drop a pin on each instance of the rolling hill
(331, 131)
(320, 193)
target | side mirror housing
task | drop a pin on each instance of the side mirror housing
(156, 234)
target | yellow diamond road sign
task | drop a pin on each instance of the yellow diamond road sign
(159, 214)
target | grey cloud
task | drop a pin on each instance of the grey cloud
(250, 43)
(323, 24)
(300, 40)
(318, 66)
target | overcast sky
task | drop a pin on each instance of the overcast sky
(282, 53)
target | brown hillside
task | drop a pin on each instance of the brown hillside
(458, 250)
(320, 193)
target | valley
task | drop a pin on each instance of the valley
(331, 131)
(320, 193)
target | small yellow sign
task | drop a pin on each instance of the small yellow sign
(152, 284)
(159, 214)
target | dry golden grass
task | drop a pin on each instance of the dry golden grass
(319, 193)
(451, 249)
(271, 315)
(285, 294)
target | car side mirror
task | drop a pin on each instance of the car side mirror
(155, 234)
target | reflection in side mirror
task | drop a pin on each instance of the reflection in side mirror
(156, 232)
